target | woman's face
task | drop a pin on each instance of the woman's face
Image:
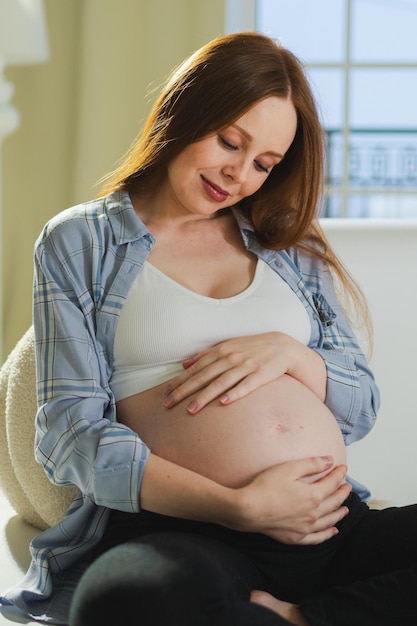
(219, 170)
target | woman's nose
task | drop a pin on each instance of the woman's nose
(237, 171)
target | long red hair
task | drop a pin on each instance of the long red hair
(211, 90)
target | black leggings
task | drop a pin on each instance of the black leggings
(154, 570)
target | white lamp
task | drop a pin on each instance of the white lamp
(23, 41)
(23, 32)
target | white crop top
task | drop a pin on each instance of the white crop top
(163, 323)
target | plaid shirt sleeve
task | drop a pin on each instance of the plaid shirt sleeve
(78, 440)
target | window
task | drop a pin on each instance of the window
(361, 57)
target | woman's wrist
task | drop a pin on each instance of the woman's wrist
(234, 510)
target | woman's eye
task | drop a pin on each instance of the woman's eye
(227, 144)
(261, 167)
(230, 146)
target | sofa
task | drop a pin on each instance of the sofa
(382, 256)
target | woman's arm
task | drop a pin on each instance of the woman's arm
(233, 368)
(333, 366)
(78, 440)
(78, 443)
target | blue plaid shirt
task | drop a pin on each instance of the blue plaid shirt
(85, 262)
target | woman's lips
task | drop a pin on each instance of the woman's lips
(213, 191)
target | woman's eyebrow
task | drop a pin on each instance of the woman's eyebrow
(249, 137)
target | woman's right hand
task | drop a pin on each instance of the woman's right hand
(281, 503)
(278, 502)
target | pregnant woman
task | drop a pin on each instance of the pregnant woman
(198, 378)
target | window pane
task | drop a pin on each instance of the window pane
(383, 98)
(382, 205)
(376, 205)
(333, 206)
(385, 159)
(335, 160)
(328, 87)
(357, 206)
(384, 31)
(303, 27)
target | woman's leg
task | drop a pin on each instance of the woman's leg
(373, 579)
(387, 600)
(167, 579)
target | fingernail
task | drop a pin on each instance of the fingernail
(169, 402)
(328, 460)
(224, 400)
(192, 407)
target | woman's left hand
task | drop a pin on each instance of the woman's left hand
(234, 368)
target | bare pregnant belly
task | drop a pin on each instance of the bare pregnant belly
(280, 421)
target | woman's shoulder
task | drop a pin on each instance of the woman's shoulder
(75, 220)
(307, 259)
(111, 216)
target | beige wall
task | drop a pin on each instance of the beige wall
(80, 112)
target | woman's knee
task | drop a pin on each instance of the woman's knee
(160, 579)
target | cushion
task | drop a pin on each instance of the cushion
(22, 479)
